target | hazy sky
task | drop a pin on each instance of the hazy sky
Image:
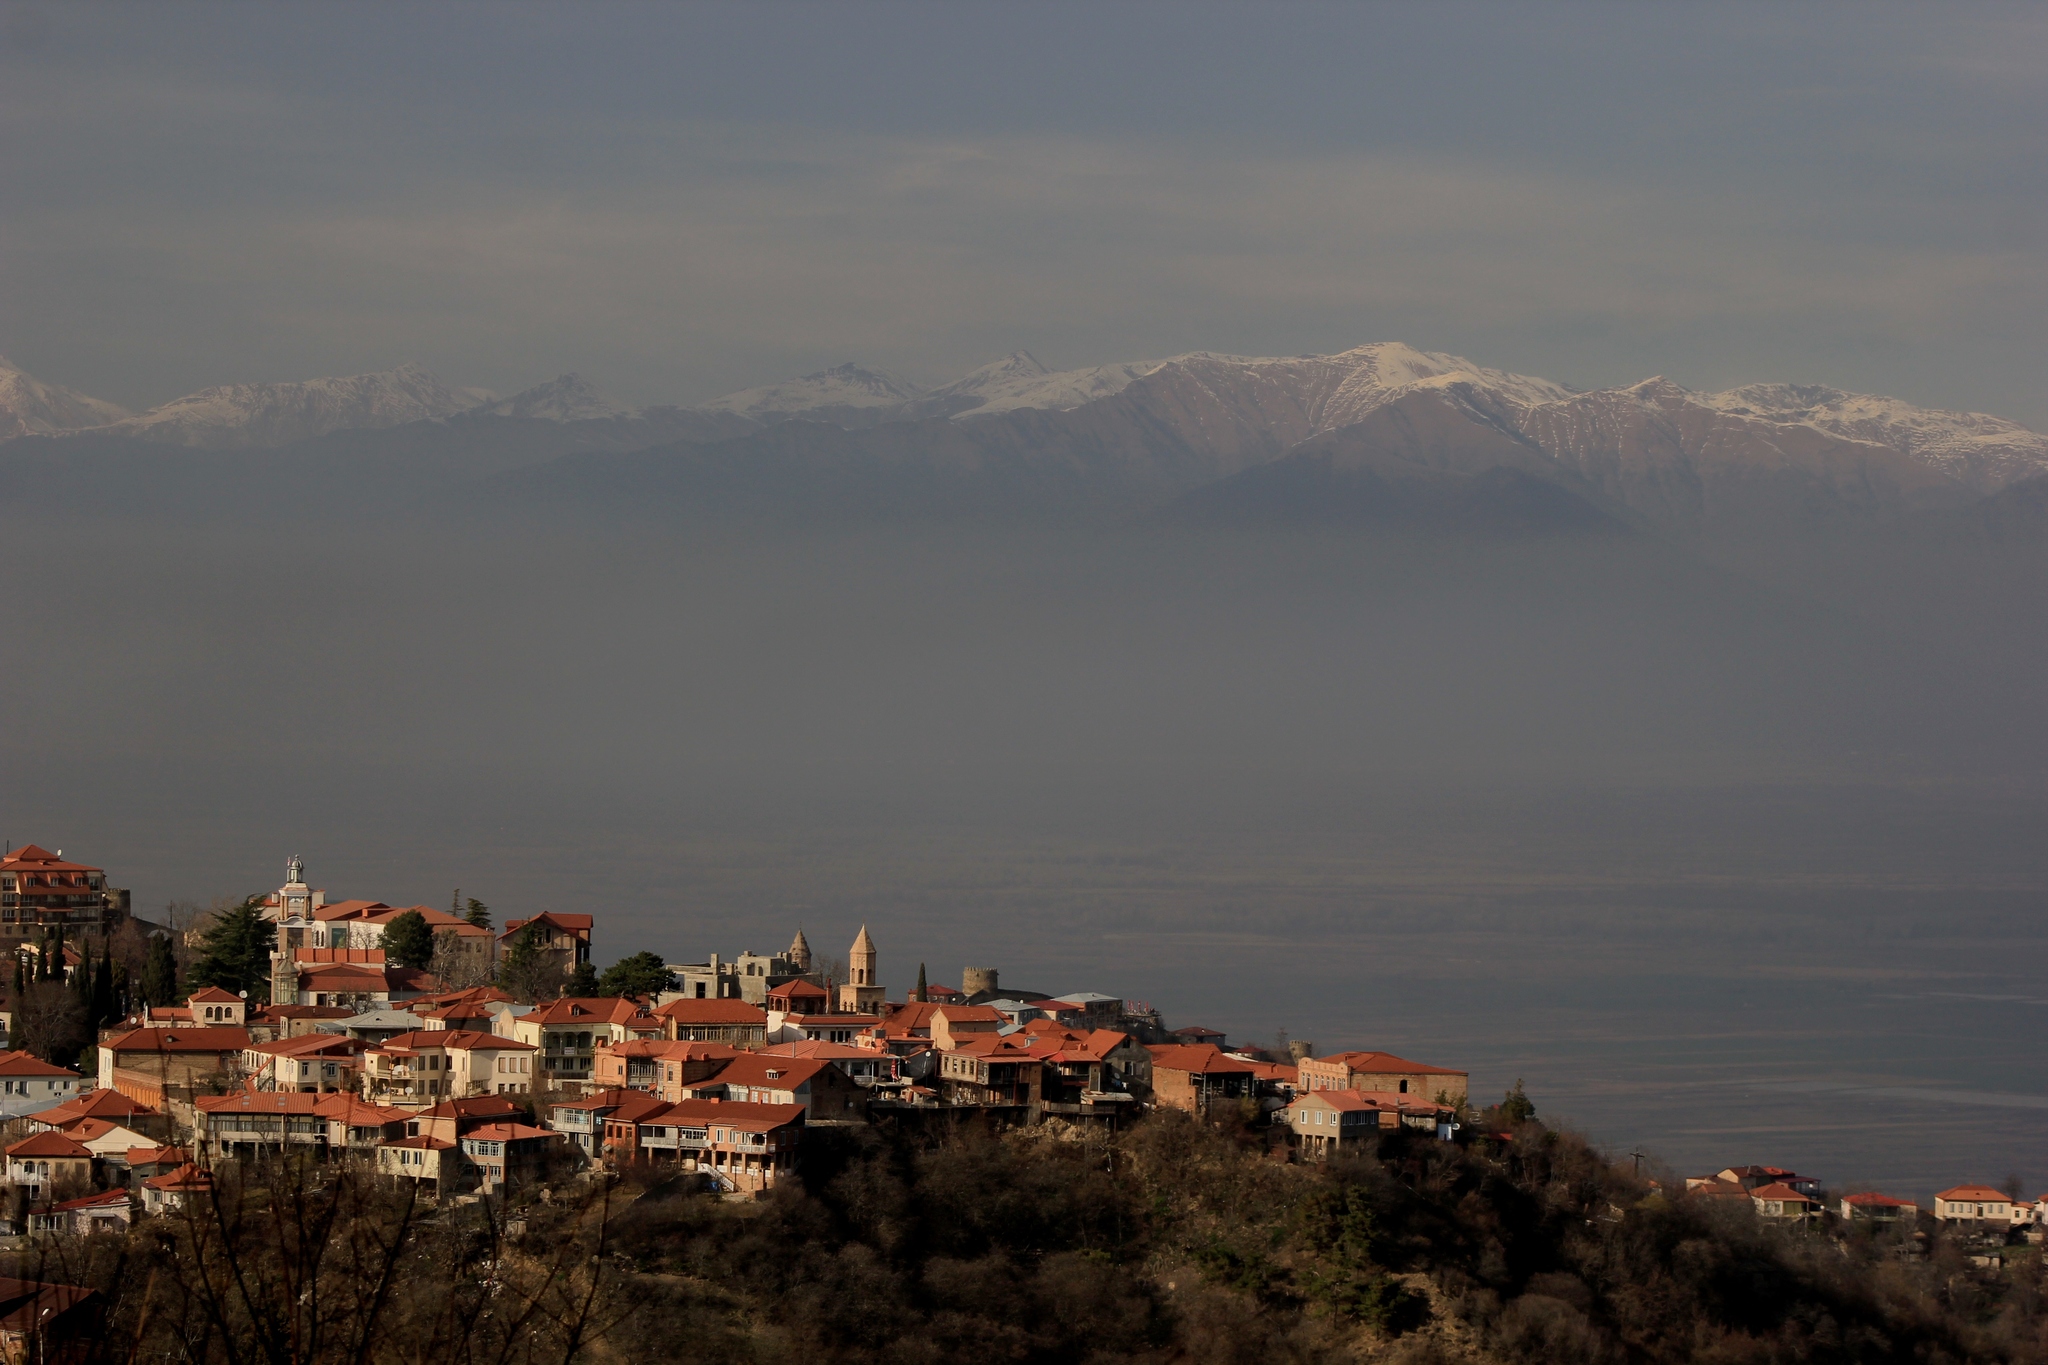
(683, 200)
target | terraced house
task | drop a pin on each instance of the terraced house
(565, 1035)
(426, 1066)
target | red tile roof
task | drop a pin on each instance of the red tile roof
(94, 1104)
(186, 1177)
(705, 1012)
(48, 1144)
(751, 1117)
(180, 1040)
(1784, 1192)
(41, 859)
(572, 924)
(587, 1010)
(28, 1064)
(1386, 1063)
(456, 1039)
(764, 1072)
(476, 1106)
(1872, 1199)
(1205, 1059)
(508, 1132)
(213, 995)
(1975, 1194)
(104, 1199)
(432, 1144)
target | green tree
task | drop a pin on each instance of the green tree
(104, 1009)
(159, 972)
(1517, 1107)
(409, 940)
(921, 994)
(582, 982)
(641, 974)
(236, 952)
(527, 972)
(478, 913)
(20, 977)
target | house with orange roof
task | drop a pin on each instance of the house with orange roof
(733, 1022)
(435, 1164)
(824, 1091)
(565, 1034)
(426, 1066)
(102, 1104)
(1323, 1122)
(989, 1070)
(213, 1007)
(28, 1083)
(1974, 1205)
(357, 978)
(164, 1066)
(656, 1065)
(104, 1138)
(249, 1123)
(357, 1127)
(468, 950)
(508, 1156)
(1198, 1076)
(1782, 1203)
(582, 1120)
(46, 1162)
(107, 1211)
(187, 1187)
(1871, 1207)
(1378, 1071)
(40, 890)
(563, 937)
(864, 1066)
(744, 1148)
(268, 1023)
(312, 1063)
(827, 1028)
(143, 1162)
(798, 996)
(450, 1119)
(948, 1024)
(49, 1322)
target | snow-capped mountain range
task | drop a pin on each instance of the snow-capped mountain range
(1668, 455)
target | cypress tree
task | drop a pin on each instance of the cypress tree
(103, 1012)
(20, 978)
(922, 994)
(159, 972)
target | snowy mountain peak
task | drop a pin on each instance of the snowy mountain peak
(244, 415)
(565, 398)
(1981, 450)
(840, 389)
(30, 407)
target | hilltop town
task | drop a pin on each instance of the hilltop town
(461, 1062)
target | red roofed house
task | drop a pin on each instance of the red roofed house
(824, 1091)
(1382, 1071)
(38, 889)
(798, 996)
(713, 1021)
(248, 1123)
(162, 1066)
(507, 1156)
(1322, 1121)
(450, 1119)
(566, 938)
(311, 1063)
(107, 1211)
(42, 1323)
(656, 1065)
(1196, 1076)
(104, 1138)
(864, 1066)
(951, 1023)
(183, 1188)
(102, 1104)
(1784, 1202)
(28, 1083)
(47, 1162)
(745, 1148)
(435, 1164)
(1871, 1206)
(427, 1066)
(583, 1120)
(1974, 1204)
(989, 1069)
(213, 1007)
(467, 949)
(566, 1032)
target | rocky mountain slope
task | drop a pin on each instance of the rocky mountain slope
(30, 407)
(230, 416)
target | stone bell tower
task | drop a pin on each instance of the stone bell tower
(862, 993)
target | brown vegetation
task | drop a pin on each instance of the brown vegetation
(1171, 1242)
